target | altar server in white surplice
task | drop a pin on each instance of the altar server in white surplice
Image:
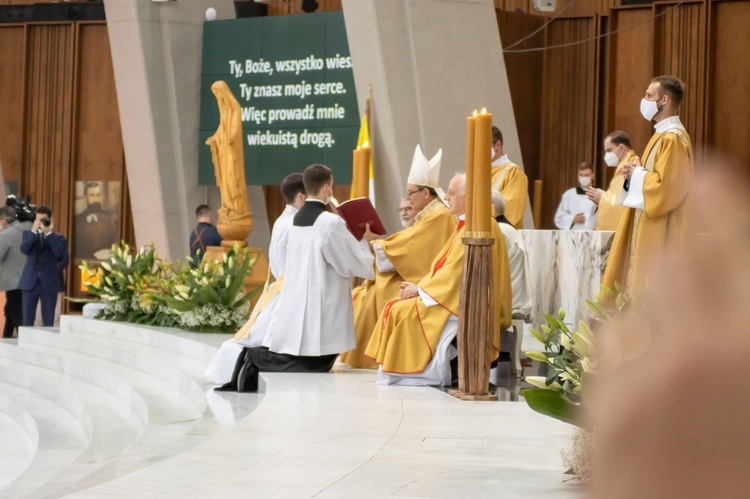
(518, 258)
(576, 210)
(264, 315)
(315, 320)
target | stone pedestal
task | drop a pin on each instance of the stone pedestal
(258, 273)
(566, 270)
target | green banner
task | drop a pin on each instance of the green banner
(292, 76)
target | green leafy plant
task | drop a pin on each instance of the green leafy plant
(572, 361)
(139, 287)
(570, 354)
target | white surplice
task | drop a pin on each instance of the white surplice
(572, 204)
(221, 367)
(520, 275)
(315, 307)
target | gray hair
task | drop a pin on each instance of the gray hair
(8, 214)
(498, 201)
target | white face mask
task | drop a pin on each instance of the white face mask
(329, 196)
(649, 109)
(611, 159)
(584, 181)
(492, 152)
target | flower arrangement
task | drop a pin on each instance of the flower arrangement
(572, 361)
(141, 288)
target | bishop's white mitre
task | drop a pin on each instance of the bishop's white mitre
(425, 172)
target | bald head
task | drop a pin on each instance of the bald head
(456, 195)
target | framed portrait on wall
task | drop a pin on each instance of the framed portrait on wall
(97, 220)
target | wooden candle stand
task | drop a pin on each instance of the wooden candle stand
(476, 319)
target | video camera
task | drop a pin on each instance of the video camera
(25, 211)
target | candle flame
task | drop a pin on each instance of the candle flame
(366, 144)
(475, 113)
(484, 110)
(358, 148)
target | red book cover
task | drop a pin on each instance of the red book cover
(359, 212)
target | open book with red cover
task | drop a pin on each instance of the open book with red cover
(359, 212)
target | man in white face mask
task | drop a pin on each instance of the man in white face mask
(617, 151)
(576, 210)
(655, 190)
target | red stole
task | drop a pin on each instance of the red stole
(441, 261)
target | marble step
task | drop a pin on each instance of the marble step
(20, 436)
(189, 365)
(64, 427)
(161, 439)
(115, 427)
(164, 384)
(133, 407)
(197, 346)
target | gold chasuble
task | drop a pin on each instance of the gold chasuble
(408, 332)
(411, 252)
(510, 181)
(609, 214)
(644, 236)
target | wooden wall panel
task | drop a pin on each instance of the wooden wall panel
(728, 130)
(514, 5)
(567, 126)
(60, 121)
(281, 7)
(49, 115)
(11, 101)
(99, 149)
(632, 68)
(680, 50)
(523, 70)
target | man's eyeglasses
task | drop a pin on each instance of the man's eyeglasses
(411, 193)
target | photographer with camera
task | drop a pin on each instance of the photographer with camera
(41, 279)
(12, 261)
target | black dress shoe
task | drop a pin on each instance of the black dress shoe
(232, 385)
(248, 378)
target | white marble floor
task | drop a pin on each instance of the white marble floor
(332, 435)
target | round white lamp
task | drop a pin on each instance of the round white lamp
(210, 14)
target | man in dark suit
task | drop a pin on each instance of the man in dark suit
(41, 279)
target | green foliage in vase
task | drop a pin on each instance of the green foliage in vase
(141, 288)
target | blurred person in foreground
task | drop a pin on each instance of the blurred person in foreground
(670, 402)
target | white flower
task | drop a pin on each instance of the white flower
(129, 261)
(106, 267)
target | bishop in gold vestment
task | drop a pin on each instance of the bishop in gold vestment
(657, 219)
(404, 256)
(413, 332)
